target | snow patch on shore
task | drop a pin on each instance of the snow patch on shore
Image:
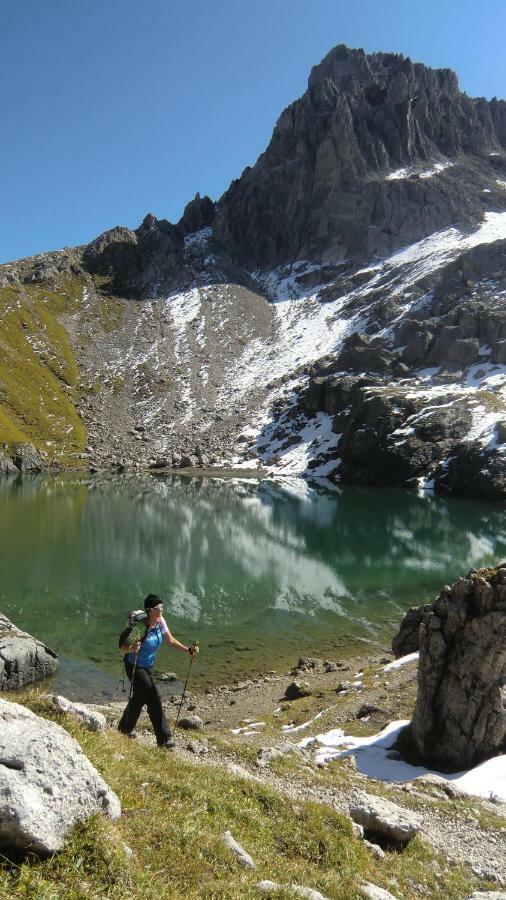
(402, 661)
(487, 780)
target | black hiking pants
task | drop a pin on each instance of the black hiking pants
(144, 693)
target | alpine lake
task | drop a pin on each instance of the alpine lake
(259, 572)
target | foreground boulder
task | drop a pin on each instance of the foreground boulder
(460, 713)
(23, 658)
(47, 785)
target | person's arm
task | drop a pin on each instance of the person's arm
(173, 642)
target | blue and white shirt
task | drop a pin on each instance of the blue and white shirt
(151, 643)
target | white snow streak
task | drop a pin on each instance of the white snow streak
(486, 780)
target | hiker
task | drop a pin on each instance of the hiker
(144, 691)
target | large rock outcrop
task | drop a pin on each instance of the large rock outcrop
(23, 658)
(47, 784)
(460, 713)
(137, 261)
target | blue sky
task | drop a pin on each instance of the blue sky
(115, 108)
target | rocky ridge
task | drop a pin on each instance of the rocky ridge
(283, 329)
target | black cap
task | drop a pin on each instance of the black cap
(151, 601)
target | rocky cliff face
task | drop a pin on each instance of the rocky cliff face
(378, 153)
(338, 313)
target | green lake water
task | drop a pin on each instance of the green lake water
(258, 572)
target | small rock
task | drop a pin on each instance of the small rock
(266, 755)
(297, 689)
(373, 892)
(381, 817)
(308, 662)
(357, 829)
(242, 856)
(189, 722)
(168, 676)
(393, 754)
(375, 850)
(297, 890)
(200, 748)
(487, 895)
(367, 709)
(94, 721)
(241, 686)
(330, 666)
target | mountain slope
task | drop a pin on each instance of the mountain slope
(339, 313)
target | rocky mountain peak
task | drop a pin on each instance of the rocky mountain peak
(378, 152)
(379, 74)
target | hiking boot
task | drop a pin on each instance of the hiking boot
(168, 745)
(130, 734)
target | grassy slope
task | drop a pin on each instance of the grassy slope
(38, 373)
(173, 816)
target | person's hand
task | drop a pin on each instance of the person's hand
(136, 646)
(193, 649)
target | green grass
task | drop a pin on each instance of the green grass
(173, 816)
(38, 372)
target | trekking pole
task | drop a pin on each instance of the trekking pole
(192, 649)
(134, 668)
(133, 676)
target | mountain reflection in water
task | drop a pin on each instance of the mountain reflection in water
(260, 572)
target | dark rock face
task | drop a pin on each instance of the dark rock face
(23, 659)
(407, 639)
(476, 472)
(376, 446)
(460, 713)
(199, 213)
(320, 189)
(137, 261)
(391, 433)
